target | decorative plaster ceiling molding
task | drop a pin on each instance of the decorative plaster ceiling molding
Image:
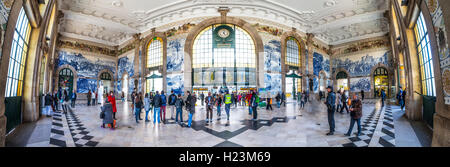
(312, 17)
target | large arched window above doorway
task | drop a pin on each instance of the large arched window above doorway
(293, 52)
(425, 57)
(66, 79)
(155, 52)
(381, 79)
(216, 64)
(105, 76)
(19, 52)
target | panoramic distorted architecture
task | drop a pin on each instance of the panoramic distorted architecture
(61, 60)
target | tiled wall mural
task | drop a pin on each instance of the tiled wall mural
(273, 83)
(439, 28)
(362, 64)
(272, 56)
(85, 66)
(175, 54)
(126, 64)
(175, 82)
(320, 63)
(316, 85)
(358, 84)
(84, 85)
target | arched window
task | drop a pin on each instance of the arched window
(425, 57)
(155, 53)
(342, 81)
(66, 80)
(19, 52)
(293, 52)
(381, 79)
(232, 65)
(105, 76)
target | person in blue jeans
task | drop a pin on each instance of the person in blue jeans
(356, 114)
(179, 108)
(190, 105)
(163, 107)
(219, 104)
(156, 107)
(138, 108)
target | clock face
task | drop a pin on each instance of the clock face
(223, 33)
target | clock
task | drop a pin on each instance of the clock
(223, 33)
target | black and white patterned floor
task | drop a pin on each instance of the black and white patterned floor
(80, 134)
(57, 137)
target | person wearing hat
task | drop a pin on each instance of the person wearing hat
(331, 104)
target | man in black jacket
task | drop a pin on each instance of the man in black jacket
(190, 105)
(331, 104)
(74, 98)
(157, 102)
(172, 100)
(344, 102)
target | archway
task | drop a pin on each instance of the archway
(224, 58)
(124, 88)
(199, 28)
(381, 81)
(105, 82)
(66, 81)
(342, 81)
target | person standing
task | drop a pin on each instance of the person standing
(107, 114)
(299, 97)
(400, 99)
(356, 114)
(147, 107)
(383, 97)
(133, 96)
(112, 99)
(89, 98)
(331, 104)
(163, 107)
(179, 107)
(137, 110)
(219, 104)
(55, 101)
(202, 98)
(122, 97)
(93, 97)
(74, 98)
(47, 103)
(65, 101)
(209, 107)
(269, 102)
(157, 107)
(190, 104)
(338, 101)
(283, 99)
(404, 99)
(304, 99)
(248, 98)
(254, 103)
(362, 95)
(233, 99)
(172, 100)
(344, 99)
(278, 99)
(227, 101)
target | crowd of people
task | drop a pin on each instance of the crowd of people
(157, 103)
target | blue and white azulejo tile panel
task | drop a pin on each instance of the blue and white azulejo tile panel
(358, 84)
(272, 56)
(85, 66)
(175, 82)
(175, 55)
(321, 62)
(84, 85)
(273, 83)
(362, 64)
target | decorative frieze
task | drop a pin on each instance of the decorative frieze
(360, 46)
(86, 47)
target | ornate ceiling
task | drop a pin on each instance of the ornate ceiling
(113, 22)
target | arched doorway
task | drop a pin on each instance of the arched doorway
(293, 84)
(381, 81)
(322, 82)
(154, 82)
(224, 58)
(125, 86)
(105, 82)
(65, 81)
(342, 81)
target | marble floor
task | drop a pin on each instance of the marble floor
(284, 127)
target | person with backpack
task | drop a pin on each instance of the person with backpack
(172, 100)
(219, 104)
(344, 99)
(383, 97)
(269, 102)
(107, 114)
(147, 107)
(227, 101)
(179, 107)
(254, 101)
(248, 98)
(278, 99)
(163, 107)
(209, 100)
(356, 114)
(190, 105)
(156, 107)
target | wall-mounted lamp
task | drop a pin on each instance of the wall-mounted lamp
(405, 2)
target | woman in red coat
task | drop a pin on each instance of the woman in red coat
(112, 100)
